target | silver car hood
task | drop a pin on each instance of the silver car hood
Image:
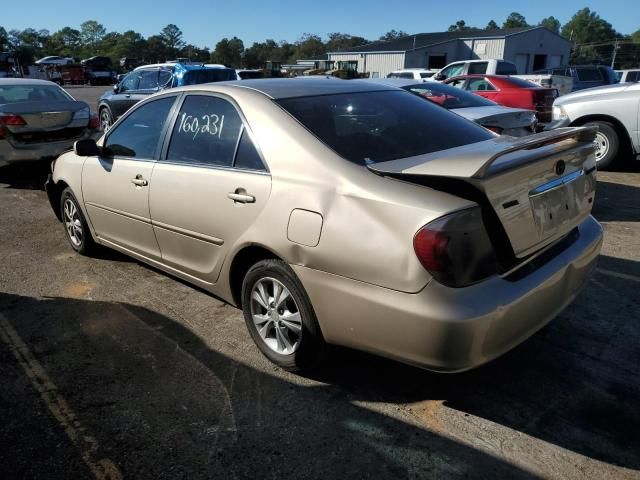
(498, 116)
(590, 92)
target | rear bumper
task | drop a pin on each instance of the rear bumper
(451, 329)
(25, 152)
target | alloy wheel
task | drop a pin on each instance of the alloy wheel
(276, 316)
(73, 223)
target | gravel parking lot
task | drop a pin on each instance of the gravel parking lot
(111, 369)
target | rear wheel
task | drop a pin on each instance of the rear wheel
(280, 317)
(106, 120)
(607, 144)
(76, 227)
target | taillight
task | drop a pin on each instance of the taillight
(455, 249)
(12, 120)
(94, 122)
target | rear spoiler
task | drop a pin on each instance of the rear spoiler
(483, 159)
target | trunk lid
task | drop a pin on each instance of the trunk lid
(539, 187)
(46, 116)
(502, 117)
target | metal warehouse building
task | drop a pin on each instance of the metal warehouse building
(530, 48)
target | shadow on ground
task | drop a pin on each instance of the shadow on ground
(28, 176)
(617, 202)
(161, 404)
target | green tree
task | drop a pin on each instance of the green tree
(587, 27)
(228, 52)
(156, 51)
(635, 36)
(196, 54)
(4, 39)
(91, 33)
(515, 20)
(552, 23)
(343, 41)
(460, 26)
(171, 36)
(309, 46)
(492, 25)
(65, 42)
(392, 35)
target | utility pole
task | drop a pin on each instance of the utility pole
(615, 50)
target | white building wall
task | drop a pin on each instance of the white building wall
(371, 62)
(522, 48)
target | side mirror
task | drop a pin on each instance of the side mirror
(86, 147)
(116, 88)
(439, 77)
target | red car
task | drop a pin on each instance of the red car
(510, 92)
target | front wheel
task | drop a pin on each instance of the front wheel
(279, 316)
(106, 120)
(606, 142)
(76, 227)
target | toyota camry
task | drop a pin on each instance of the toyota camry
(321, 211)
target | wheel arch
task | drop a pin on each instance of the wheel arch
(623, 134)
(242, 261)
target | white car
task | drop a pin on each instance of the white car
(625, 76)
(55, 60)
(412, 73)
(481, 67)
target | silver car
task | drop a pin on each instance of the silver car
(38, 119)
(322, 211)
(516, 122)
(614, 109)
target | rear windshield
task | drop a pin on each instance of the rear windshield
(372, 127)
(447, 96)
(32, 93)
(251, 75)
(194, 77)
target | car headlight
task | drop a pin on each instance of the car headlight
(558, 113)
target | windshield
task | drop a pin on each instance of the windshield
(447, 96)
(32, 93)
(371, 127)
(194, 77)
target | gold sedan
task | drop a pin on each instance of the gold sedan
(342, 212)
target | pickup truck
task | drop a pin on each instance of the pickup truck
(561, 83)
(614, 109)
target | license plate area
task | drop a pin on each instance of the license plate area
(559, 205)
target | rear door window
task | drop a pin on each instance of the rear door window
(478, 68)
(206, 132)
(588, 74)
(479, 85)
(506, 68)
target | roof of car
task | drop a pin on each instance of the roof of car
(395, 82)
(186, 66)
(278, 88)
(24, 81)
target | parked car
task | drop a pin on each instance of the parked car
(614, 109)
(55, 60)
(98, 70)
(510, 92)
(340, 212)
(412, 73)
(150, 79)
(502, 120)
(584, 76)
(480, 67)
(624, 76)
(39, 119)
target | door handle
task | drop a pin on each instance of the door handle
(127, 96)
(139, 181)
(241, 196)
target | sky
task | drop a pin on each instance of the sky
(205, 22)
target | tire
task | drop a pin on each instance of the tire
(75, 225)
(289, 334)
(106, 120)
(607, 144)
